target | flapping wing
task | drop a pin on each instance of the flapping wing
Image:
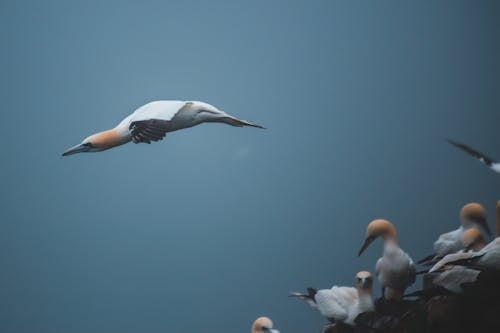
(480, 156)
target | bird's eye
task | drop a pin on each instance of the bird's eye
(88, 144)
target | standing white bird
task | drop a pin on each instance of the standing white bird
(152, 121)
(490, 163)
(471, 215)
(395, 269)
(342, 304)
(263, 325)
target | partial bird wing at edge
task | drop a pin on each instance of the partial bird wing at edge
(480, 156)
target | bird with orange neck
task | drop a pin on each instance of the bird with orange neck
(153, 120)
(395, 269)
(342, 304)
(471, 215)
(486, 259)
(263, 325)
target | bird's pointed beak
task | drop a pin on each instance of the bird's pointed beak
(484, 224)
(270, 330)
(80, 148)
(366, 243)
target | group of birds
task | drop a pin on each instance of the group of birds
(460, 264)
(459, 259)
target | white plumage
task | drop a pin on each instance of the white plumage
(153, 120)
(472, 215)
(342, 304)
(395, 269)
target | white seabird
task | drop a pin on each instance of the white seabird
(486, 259)
(490, 163)
(395, 269)
(263, 325)
(152, 121)
(471, 215)
(342, 304)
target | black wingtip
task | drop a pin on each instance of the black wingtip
(454, 143)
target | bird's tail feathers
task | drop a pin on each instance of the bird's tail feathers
(239, 122)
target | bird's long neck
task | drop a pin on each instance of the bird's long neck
(390, 246)
(109, 139)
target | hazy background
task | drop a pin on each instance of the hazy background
(213, 227)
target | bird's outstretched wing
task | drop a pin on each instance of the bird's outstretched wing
(480, 156)
(149, 130)
(152, 121)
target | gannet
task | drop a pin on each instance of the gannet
(471, 215)
(263, 325)
(452, 277)
(486, 259)
(490, 163)
(395, 269)
(152, 121)
(342, 304)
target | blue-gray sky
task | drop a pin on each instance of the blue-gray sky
(214, 226)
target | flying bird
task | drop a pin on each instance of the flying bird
(263, 325)
(493, 165)
(395, 269)
(152, 121)
(342, 304)
(471, 215)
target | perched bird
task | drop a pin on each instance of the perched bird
(486, 259)
(490, 163)
(263, 325)
(395, 269)
(152, 121)
(342, 304)
(452, 277)
(471, 215)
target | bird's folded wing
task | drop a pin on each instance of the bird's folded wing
(446, 260)
(329, 306)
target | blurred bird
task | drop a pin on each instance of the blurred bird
(486, 259)
(452, 277)
(490, 163)
(263, 325)
(342, 304)
(152, 121)
(471, 215)
(395, 269)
